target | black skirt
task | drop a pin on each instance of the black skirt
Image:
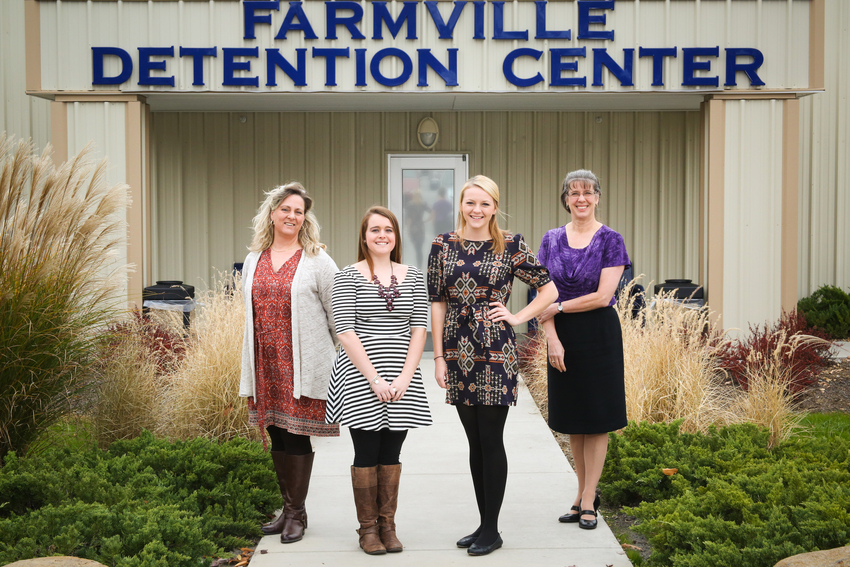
(590, 396)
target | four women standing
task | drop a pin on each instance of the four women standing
(378, 308)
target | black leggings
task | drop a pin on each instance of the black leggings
(372, 448)
(290, 443)
(488, 463)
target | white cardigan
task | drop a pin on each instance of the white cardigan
(313, 334)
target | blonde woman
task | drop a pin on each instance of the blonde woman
(288, 349)
(470, 275)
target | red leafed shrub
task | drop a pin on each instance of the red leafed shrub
(783, 343)
(165, 346)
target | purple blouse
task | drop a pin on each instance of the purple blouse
(576, 271)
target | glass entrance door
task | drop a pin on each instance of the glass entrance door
(423, 195)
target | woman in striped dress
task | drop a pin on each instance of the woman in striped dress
(380, 313)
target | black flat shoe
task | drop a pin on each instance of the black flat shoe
(476, 549)
(587, 524)
(466, 541)
(571, 518)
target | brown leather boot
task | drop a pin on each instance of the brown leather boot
(388, 479)
(276, 525)
(297, 470)
(364, 480)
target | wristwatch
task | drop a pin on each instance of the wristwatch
(560, 307)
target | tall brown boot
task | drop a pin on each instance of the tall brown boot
(297, 469)
(388, 479)
(364, 480)
(276, 525)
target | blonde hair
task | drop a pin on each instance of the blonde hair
(308, 236)
(363, 250)
(488, 186)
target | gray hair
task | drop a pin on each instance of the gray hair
(584, 175)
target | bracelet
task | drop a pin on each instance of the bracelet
(376, 379)
(441, 356)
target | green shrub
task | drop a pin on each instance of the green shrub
(144, 501)
(732, 502)
(828, 309)
(58, 285)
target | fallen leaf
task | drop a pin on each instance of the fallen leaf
(630, 546)
(242, 563)
(263, 551)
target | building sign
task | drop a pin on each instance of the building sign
(422, 46)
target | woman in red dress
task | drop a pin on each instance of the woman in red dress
(289, 345)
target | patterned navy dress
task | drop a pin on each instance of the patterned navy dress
(480, 354)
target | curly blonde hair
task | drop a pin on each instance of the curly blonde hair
(308, 236)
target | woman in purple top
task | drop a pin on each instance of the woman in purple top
(587, 396)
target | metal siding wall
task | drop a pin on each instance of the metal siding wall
(824, 158)
(21, 116)
(752, 254)
(211, 169)
(101, 124)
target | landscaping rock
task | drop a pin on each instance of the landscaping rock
(56, 562)
(839, 557)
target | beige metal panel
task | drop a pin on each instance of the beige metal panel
(221, 193)
(70, 29)
(103, 124)
(21, 116)
(824, 172)
(245, 189)
(197, 145)
(167, 196)
(752, 212)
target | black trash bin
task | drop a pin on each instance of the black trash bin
(684, 291)
(170, 295)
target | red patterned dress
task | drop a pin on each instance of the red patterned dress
(271, 294)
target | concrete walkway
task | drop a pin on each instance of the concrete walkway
(841, 350)
(437, 503)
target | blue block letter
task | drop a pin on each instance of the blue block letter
(98, 78)
(508, 67)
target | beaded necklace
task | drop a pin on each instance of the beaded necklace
(389, 292)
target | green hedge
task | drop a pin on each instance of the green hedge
(732, 502)
(144, 501)
(828, 308)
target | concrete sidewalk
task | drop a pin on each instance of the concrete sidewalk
(437, 503)
(840, 350)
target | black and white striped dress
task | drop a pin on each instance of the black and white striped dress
(385, 336)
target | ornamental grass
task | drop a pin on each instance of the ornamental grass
(60, 284)
(201, 397)
(671, 370)
(129, 384)
(675, 371)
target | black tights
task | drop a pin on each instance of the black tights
(290, 443)
(372, 448)
(485, 426)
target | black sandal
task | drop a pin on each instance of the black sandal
(571, 518)
(587, 524)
